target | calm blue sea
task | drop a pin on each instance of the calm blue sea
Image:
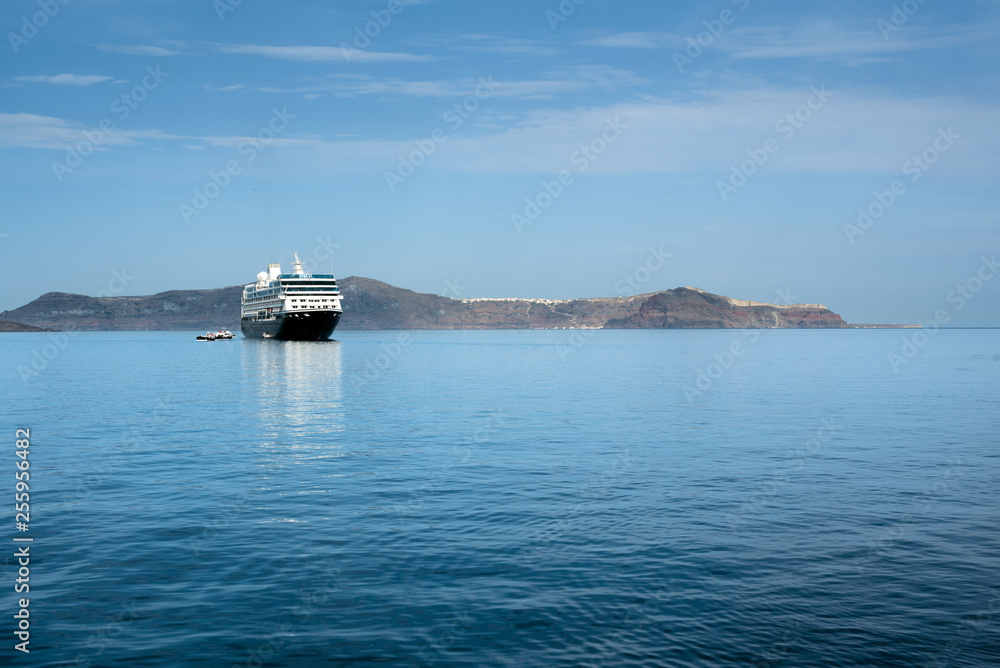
(514, 498)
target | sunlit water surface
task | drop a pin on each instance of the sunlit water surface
(616, 498)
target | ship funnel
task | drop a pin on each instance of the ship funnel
(273, 271)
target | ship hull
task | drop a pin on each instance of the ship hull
(302, 326)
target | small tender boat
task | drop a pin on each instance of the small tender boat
(207, 336)
(223, 334)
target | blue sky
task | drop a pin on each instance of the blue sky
(530, 149)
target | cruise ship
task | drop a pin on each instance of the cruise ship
(290, 307)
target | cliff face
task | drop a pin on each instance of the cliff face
(370, 304)
(176, 309)
(693, 308)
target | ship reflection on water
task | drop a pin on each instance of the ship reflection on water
(296, 387)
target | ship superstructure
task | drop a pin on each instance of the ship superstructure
(291, 307)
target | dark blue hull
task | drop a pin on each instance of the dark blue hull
(303, 326)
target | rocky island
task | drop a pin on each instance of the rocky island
(371, 304)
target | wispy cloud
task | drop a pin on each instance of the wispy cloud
(66, 79)
(314, 54)
(634, 40)
(823, 40)
(356, 86)
(858, 132)
(48, 132)
(829, 41)
(305, 54)
(34, 131)
(509, 46)
(572, 80)
(139, 49)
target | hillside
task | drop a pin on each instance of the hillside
(371, 304)
(8, 326)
